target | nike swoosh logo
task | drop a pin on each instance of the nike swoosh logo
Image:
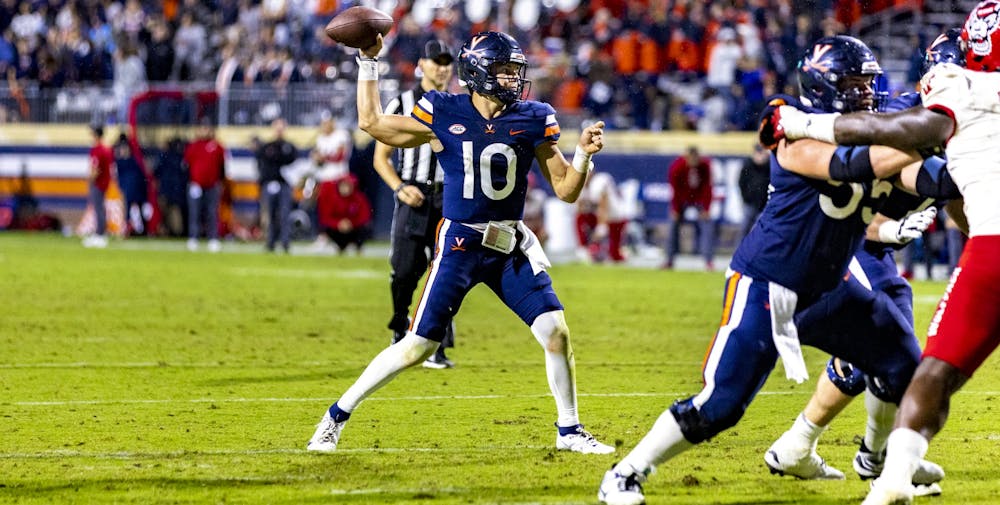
(515, 132)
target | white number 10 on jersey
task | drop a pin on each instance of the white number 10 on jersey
(485, 171)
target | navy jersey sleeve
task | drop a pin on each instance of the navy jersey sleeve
(551, 126)
(423, 111)
(903, 102)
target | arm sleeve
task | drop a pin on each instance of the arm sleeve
(934, 181)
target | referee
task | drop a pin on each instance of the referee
(417, 183)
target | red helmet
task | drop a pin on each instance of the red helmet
(982, 37)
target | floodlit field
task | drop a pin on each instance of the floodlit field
(147, 374)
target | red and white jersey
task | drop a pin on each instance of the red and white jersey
(335, 149)
(602, 183)
(972, 100)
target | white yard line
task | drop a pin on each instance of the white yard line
(56, 454)
(374, 399)
(305, 364)
(635, 394)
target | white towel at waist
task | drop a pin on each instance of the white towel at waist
(529, 244)
(784, 332)
(532, 248)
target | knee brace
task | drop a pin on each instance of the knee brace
(848, 379)
(695, 427)
(551, 331)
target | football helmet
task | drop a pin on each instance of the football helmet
(480, 59)
(824, 71)
(947, 48)
(981, 37)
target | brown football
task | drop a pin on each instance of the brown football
(358, 26)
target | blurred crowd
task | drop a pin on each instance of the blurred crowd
(638, 64)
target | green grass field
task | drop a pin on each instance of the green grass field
(146, 374)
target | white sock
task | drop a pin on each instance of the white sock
(664, 441)
(552, 333)
(384, 367)
(881, 415)
(805, 429)
(560, 371)
(906, 448)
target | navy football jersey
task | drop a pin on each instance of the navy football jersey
(903, 102)
(485, 161)
(809, 229)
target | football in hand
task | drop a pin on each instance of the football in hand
(358, 26)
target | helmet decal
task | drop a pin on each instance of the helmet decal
(479, 60)
(823, 73)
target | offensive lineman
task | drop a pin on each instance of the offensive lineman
(960, 108)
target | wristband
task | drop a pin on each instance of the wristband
(398, 189)
(820, 127)
(581, 161)
(888, 232)
(367, 68)
(797, 124)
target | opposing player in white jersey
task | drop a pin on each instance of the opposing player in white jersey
(962, 108)
(486, 143)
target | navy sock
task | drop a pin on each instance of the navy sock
(337, 414)
(569, 430)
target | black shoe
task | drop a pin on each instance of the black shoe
(438, 360)
(397, 336)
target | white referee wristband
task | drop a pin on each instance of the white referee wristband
(367, 69)
(581, 161)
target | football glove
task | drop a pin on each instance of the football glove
(908, 228)
(769, 131)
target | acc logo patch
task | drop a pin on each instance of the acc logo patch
(457, 129)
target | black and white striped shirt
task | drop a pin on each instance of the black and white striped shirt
(417, 165)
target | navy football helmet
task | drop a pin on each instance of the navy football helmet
(947, 48)
(481, 57)
(824, 72)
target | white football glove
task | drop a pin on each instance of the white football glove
(796, 124)
(908, 228)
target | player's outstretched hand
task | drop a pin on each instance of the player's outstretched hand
(373, 50)
(592, 138)
(908, 228)
(411, 195)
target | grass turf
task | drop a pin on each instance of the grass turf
(146, 374)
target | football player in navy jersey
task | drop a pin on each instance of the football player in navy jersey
(795, 258)
(486, 143)
(794, 453)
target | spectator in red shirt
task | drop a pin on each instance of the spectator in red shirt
(205, 159)
(344, 212)
(690, 178)
(99, 177)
